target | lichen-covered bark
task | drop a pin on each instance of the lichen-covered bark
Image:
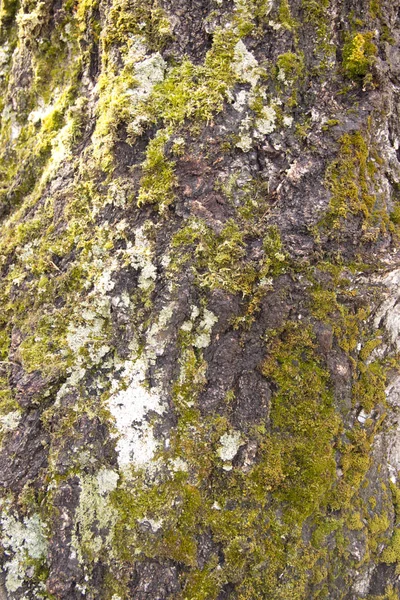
(200, 276)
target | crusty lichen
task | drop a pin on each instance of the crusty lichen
(24, 540)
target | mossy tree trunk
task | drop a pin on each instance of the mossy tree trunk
(199, 253)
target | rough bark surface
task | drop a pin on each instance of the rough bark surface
(199, 307)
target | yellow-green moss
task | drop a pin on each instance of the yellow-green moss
(358, 55)
(159, 180)
(285, 17)
(351, 180)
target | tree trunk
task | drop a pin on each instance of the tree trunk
(200, 262)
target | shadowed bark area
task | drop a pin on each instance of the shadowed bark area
(199, 300)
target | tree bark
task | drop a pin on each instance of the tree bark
(200, 266)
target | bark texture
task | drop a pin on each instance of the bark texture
(199, 302)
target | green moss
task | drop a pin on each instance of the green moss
(354, 522)
(188, 91)
(220, 260)
(358, 55)
(391, 553)
(289, 74)
(346, 325)
(269, 516)
(330, 123)
(158, 181)
(355, 461)
(141, 18)
(196, 92)
(302, 408)
(351, 180)
(285, 17)
(7, 14)
(395, 215)
(369, 389)
(379, 524)
(9, 408)
(291, 67)
(202, 584)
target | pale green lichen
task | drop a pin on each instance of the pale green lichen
(245, 64)
(265, 123)
(229, 446)
(23, 539)
(136, 443)
(10, 421)
(204, 328)
(141, 256)
(95, 516)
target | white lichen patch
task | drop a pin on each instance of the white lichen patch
(141, 256)
(178, 464)
(10, 421)
(132, 409)
(79, 335)
(157, 337)
(86, 334)
(299, 168)
(147, 73)
(245, 141)
(265, 124)
(5, 51)
(21, 540)
(241, 100)
(153, 524)
(204, 329)
(258, 128)
(107, 480)
(229, 446)
(363, 417)
(95, 516)
(245, 64)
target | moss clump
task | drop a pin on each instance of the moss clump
(289, 74)
(186, 91)
(369, 389)
(355, 460)
(196, 92)
(303, 411)
(395, 215)
(220, 260)
(285, 17)
(351, 180)
(346, 324)
(291, 67)
(391, 553)
(141, 18)
(7, 14)
(359, 53)
(159, 180)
